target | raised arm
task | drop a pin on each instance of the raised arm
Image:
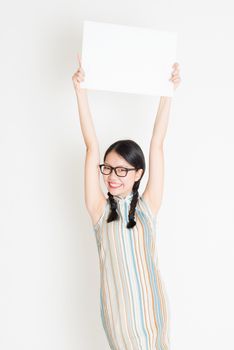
(94, 197)
(154, 188)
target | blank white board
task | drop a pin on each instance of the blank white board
(128, 59)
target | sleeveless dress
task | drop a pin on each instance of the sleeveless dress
(134, 305)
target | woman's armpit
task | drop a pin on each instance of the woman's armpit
(98, 223)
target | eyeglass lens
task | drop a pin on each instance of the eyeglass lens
(107, 170)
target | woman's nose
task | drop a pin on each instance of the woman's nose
(113, 176)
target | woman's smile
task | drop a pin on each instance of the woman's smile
(114, 185)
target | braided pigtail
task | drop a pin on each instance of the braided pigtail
(113, 212)
(131, 215)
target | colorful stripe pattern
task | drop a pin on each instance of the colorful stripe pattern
(133, 301)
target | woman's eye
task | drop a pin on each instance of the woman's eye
(122, 170)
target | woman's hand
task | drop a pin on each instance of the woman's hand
(78, 76)
(175, 77)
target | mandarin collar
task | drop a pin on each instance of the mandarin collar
(128, 198)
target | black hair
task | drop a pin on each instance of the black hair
(133, 154)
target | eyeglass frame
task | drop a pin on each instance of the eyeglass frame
(114, 168)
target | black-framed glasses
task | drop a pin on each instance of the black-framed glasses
(119, 170)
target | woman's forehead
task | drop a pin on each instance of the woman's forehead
(115, 160)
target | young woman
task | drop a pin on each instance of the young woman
(133, 305)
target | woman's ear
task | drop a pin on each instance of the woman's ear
(138, 174)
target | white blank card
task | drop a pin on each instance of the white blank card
(128, 59)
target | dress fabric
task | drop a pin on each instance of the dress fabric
(134, 306)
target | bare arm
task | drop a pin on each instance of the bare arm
(86, 122)
(94, 197)
(154, 189)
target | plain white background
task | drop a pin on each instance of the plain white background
(49, 292)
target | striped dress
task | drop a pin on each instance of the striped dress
(133, 301)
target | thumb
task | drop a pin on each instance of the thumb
(79, 60)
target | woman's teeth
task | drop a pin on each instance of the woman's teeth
(114, 185)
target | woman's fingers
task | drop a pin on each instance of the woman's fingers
(79, 79)
(177, 78)
(81, 75)
(78, 76)
(176, 65)
(175, 75)
(176, 68)
(80, 69)
(175, 72)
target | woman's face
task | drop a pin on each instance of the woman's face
(116, 185)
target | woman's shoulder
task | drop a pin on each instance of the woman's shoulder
(144, 206)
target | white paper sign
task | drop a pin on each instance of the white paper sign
(128, 59)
